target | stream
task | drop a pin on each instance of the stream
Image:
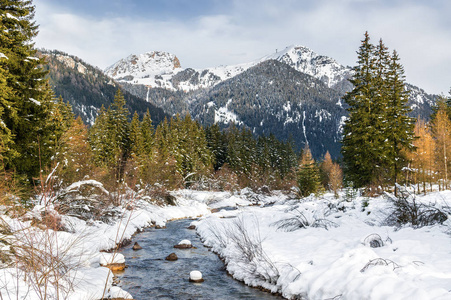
(150, 276)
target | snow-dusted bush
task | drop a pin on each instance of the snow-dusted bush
(87, 200)
(305, 219)
(408, 210)
(245, 241)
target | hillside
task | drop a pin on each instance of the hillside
(292, 93)
(87, 88)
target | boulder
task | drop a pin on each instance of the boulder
(192, 227)
(172, 257)
(184, 244)
(113, 261)
(195, 276)
(137, 246)
(115, 267)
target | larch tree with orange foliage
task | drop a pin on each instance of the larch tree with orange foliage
(441, 132)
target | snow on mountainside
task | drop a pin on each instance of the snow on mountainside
(154, 68)
(161, 69)
(306, 61)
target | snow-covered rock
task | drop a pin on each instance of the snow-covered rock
(195, 276)
(184, 244)
(153, 68)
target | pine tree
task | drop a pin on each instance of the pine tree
(31, 99)
(147, 133)
(308, 175)
(217, 143)
(400, 127)
(7, 152)
(358, 146)
(101, 146)
(378, 132)
(136, 137)
(110, 137)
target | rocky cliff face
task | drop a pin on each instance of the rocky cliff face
(152, 68)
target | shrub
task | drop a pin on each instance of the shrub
(408, 210)
(300, 220)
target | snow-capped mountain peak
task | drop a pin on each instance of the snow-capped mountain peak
(304, 60)
(161, 69)
(135, 68)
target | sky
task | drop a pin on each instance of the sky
(209, 33)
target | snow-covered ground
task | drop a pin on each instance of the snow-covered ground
(333, 257)
(76, 255)
(330, 259)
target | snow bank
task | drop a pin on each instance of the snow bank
(331, 257)
(80, 247)
(111, 258)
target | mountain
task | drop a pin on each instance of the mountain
(292, 93)
(272, 97)
(87, 88)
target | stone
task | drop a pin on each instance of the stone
(137, 246)
(191, 227)
(184, 244)
(160, 227)
(113, 261)
(172, 257)
(195, 276)
(116, 267)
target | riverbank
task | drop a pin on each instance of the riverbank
(150, 276)
(313, 248)
(327, 248)
(73, 252)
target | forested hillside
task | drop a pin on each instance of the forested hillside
(87, 88)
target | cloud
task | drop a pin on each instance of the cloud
(246, 30)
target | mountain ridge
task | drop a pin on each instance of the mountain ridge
(294, 93)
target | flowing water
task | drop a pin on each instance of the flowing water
(150, 276)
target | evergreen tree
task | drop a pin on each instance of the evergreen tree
(7, 152)
(308, 175)
(378, 132)
(31, 100)
(400, 127)
(101, 146)
(217, 143)
(147, 133)
(358, 145)
(136, 137)
(110, 136)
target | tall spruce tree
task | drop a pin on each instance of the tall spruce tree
(378, 132)
(110, 136)
(31, 100)
(400, 127)
(147, 133)
(358, 149)
(6, 139)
